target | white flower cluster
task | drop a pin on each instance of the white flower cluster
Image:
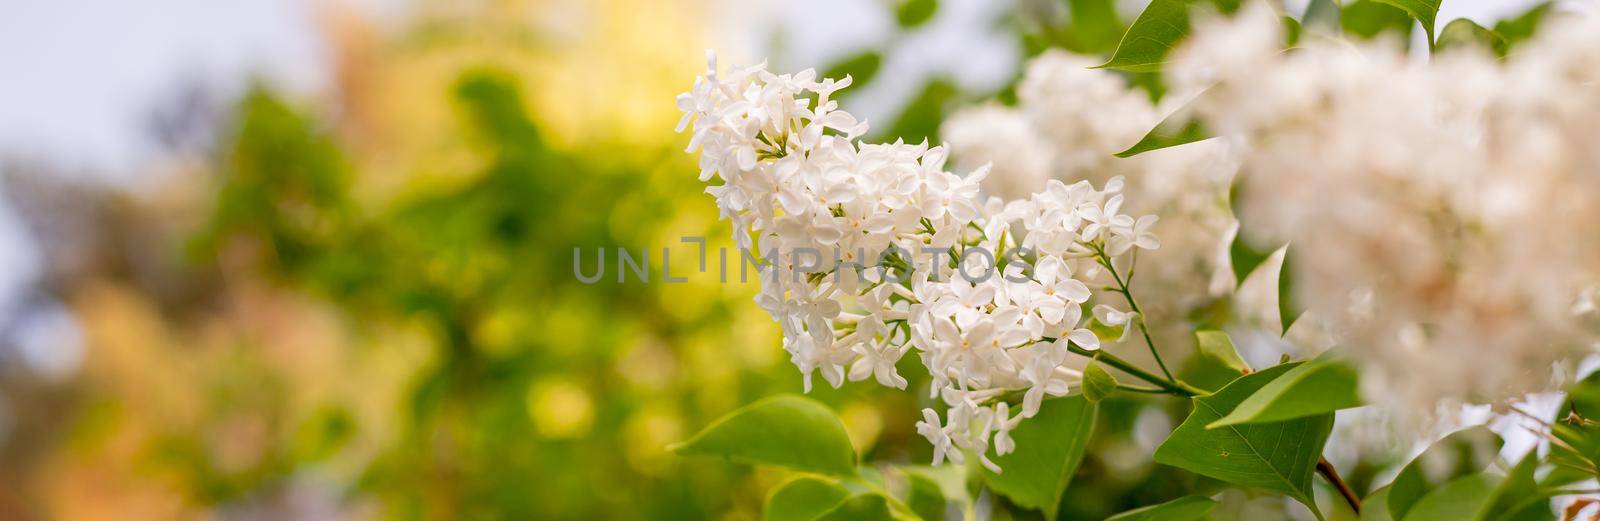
(990, 295)
(1442, 210)
(1068, 124)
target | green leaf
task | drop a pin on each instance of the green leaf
(1279, 457)
(1314, 388)
(1179, 128)
(1422, 10)
(1464, 498)
(925, 496)
(871, 477)
(1288, 309)
(945, 485)
(920, 118)
(803, 499)
(787, 431)
(1097, 383)
(1376, 506)
(1244, 257)
(1573, 456)
(1517, 489)
(1093, 26)
(913, 13)
(1217, 345)
(868, 506)
(1049, 448)
(951, 479)
(1153, 34)
(1583, 398)
(1520, 29)
(1536, 509)
(1206, 373)
(1461, 32)
(1407, 487)
(1368, 18)
(1456, 451)
(1291, 31)
(1578, 450)
(1187, 508)
(860, 68)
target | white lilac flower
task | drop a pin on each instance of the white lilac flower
(1114, 317)
(939, 436)
(877, 360)
(1040, 373)
(993, 134)
(1003, 423)
(1442, 231)
(795, 180)
(1067, 126)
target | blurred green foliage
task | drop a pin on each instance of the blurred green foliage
(464, 260)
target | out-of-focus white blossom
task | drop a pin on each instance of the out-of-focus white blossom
(1442, 210)
(1086, 114)
(1069, 122)
(1020, 158)
(912, 258)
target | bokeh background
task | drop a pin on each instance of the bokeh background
(312, 259)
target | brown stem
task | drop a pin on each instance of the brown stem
(1327, 471)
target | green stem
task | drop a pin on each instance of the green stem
(1141, 390)
(1133, 305)
(1170, 386)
